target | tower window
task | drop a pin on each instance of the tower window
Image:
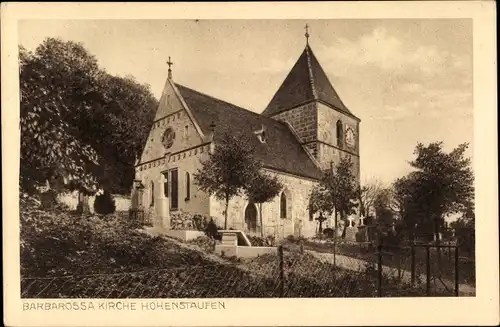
(340, 134)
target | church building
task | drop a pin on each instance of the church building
(303, 130)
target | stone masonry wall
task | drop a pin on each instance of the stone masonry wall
(297, 191)
(328, 149)
(303, 120)
(185, 162)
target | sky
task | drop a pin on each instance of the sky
(408, 80)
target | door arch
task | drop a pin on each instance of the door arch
(251, 217)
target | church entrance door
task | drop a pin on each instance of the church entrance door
(251, 217)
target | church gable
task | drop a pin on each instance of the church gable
(173, 128)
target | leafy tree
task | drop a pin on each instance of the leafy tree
(228, 170)
(385, 216)
(337, 191)
(263, 188)
(78, 123)
(49, 148)
(442, 184)
(406, 204)
(446, 182)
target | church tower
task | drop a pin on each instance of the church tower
(308, 102)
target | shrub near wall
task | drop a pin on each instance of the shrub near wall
(188, 221)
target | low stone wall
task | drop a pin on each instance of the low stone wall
(183, 235)
(255, 251)
(122, 202)
(244, 251)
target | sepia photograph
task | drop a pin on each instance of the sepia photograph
(197, 158)
(209, 159)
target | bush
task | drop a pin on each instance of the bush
(212, 231)
(328, 232)
(104, 203)
(58, 243)
(205, 243)
(48, 199)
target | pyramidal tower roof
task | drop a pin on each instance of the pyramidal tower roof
(306, 82)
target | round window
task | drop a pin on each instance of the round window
(168, 138)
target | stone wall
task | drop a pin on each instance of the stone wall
(185, 162)
(303, 119)
(328, 149)
(297, 223)
(71, 200)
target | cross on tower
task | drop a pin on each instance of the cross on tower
(307, 33)
(169, 63)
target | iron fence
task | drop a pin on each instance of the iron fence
(295, 270)
(287, 273)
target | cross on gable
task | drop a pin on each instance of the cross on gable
(169, 63)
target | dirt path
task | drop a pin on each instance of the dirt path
(355, 264)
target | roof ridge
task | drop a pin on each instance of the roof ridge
(311, 75)
(330, 84)
(231, 104)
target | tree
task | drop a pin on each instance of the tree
(263, 188)
(49, 149)
(385, 217)
(78, 122)
(228, 170)
(442, 184)
(446, 181)
(337, 191)
(122, 119)
(406, 203)
(367, 195)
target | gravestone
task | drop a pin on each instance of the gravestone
(351, 229)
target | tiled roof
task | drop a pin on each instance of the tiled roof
(282, 151)
(306, 81)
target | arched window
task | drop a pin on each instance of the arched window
(283, 205)
(340, 134)
(188, 187)
(152, 193)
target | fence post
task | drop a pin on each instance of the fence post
(379, 270)
(412, 264)
(456, 272)
(428, 269)
(282, 271)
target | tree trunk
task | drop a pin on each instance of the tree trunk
(336, 223)
(225, 213)
(261, 221)
(342, 216)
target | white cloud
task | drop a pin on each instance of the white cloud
(407, 79)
